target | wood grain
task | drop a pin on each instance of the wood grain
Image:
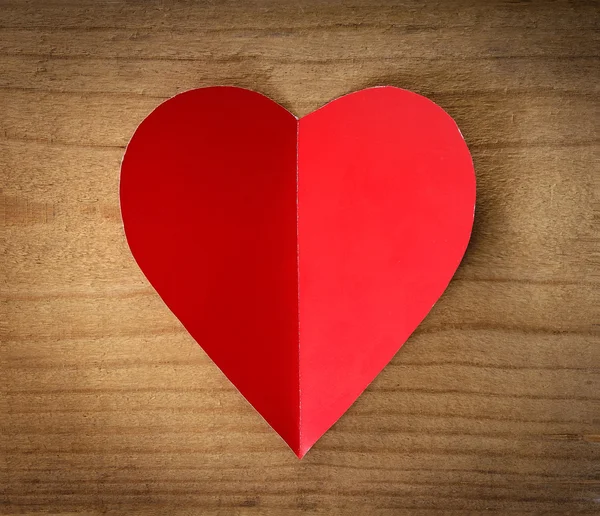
(109, 407)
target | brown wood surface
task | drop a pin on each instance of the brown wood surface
(108, 406)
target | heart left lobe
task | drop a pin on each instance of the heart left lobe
(208, 199)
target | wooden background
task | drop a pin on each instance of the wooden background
(108, 406)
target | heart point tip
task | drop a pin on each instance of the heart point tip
(301, 450)
(300, 453)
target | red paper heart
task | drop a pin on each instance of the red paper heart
(300, 254)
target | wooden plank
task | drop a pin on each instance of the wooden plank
(109, 407)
